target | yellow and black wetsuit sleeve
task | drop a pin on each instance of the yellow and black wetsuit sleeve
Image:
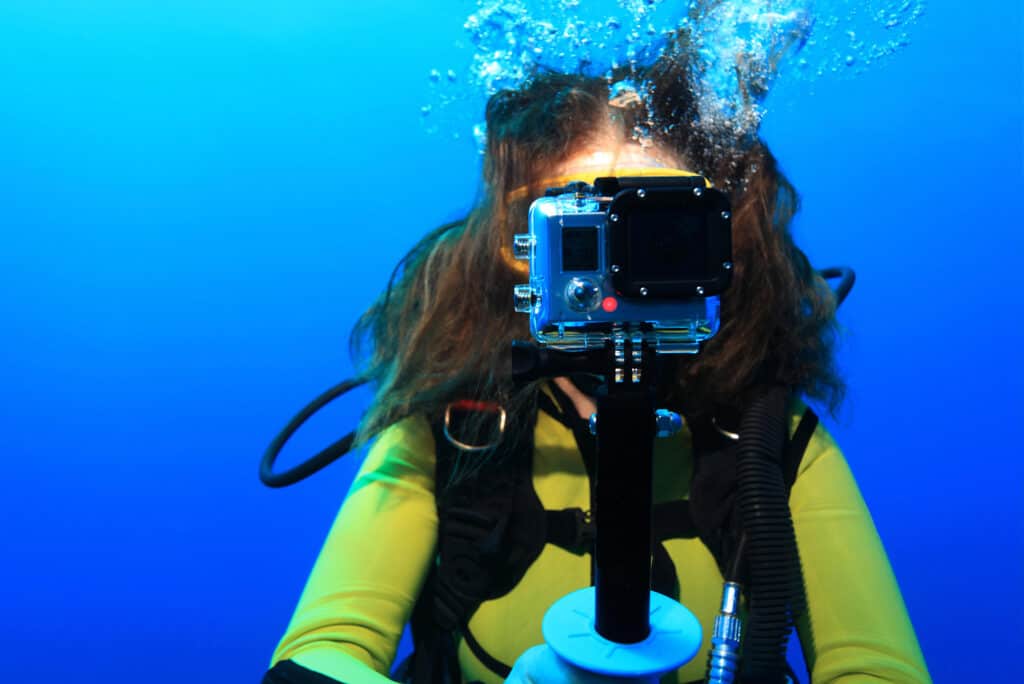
(370, 570)
(856, 628)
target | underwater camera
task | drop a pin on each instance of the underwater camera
(643, 257)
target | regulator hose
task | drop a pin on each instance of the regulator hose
(321, 460)
(774, 584)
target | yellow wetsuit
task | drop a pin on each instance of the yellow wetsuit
(360, 594)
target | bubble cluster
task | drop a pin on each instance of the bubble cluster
(855, 35)
(740, 47)
(514, 39)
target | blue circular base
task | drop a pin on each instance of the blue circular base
(674, 639)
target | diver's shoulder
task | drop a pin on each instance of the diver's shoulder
(414, 427)
(410, 439)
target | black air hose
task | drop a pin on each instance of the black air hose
(774, 584)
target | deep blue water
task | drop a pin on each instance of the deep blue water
(197, 199)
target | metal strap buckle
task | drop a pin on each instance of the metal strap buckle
(470, 405)
(734, 436)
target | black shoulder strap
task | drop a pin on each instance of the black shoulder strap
(433, 659)
(491, 529)
(797, 446)
(564, 411)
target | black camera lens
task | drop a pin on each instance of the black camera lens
(666, 246)
(669, 242)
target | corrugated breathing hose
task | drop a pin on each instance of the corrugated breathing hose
(774, 582)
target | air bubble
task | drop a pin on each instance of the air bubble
(480, 133)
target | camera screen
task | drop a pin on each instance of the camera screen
(667, 245)
(579, 249)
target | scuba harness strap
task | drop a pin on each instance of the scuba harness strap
(490, 530)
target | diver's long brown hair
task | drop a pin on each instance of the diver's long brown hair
(438, 333)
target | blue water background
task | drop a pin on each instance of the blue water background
(197, 199)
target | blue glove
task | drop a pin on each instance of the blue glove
(540, 665)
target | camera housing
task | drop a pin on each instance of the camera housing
(645, 257)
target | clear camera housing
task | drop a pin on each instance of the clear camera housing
(639, 257)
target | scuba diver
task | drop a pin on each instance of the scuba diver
(472, 512)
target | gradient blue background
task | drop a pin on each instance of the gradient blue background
(197, 199)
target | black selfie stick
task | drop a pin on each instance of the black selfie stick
(627, 639)
(622, 503)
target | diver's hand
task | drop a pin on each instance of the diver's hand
(540, 665)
